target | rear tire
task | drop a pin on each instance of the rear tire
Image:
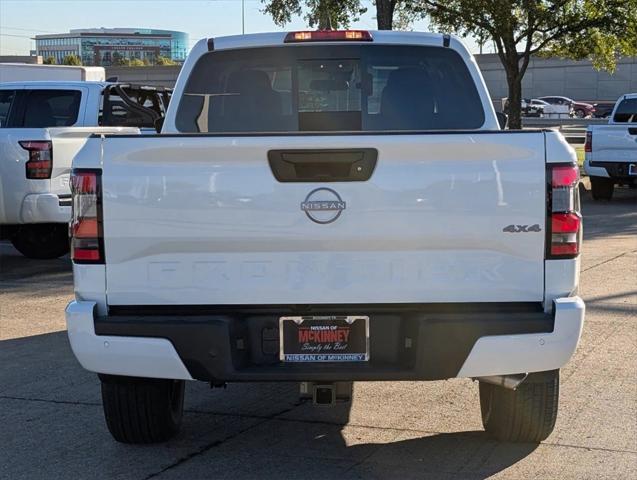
(602, 188)
(42, 241)
(142, 410)
(526, 414)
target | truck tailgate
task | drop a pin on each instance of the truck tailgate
(614, 143)
(202, 220)
(67, 141)
(14, 184)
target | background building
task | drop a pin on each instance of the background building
(113, 46)
(557, 76)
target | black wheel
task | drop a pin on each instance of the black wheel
(526, 414)
(42, 240)
(602, 188)
(580, 113)
(142, 410)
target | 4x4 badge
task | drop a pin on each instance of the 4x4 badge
(522, 228)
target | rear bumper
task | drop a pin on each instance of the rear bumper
(45, 208)
(615, 170)
(405, 344)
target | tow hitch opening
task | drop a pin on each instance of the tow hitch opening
(326, 394)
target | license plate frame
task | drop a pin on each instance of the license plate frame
(322, 347)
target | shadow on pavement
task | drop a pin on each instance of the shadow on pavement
(15, 268)
(51, 417)
(615, 217)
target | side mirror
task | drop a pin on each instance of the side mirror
(503, 119)
(159, 123)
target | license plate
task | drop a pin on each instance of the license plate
(324, 339)
(632, 169)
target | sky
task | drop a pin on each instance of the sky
(22, 19)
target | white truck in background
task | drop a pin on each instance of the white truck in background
(42, 126)
(611, 150)
(326, 207)
(27, 72)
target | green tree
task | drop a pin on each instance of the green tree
(119, 60)
(71, 60)
(135, 62)
(600, 30)
(49, 60)
(164, 61)
(394, 13)
(322, 14)
(339, 14)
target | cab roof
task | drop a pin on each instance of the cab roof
(378, 37)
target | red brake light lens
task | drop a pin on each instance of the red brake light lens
(328, 36)
(85, 229)
(565, 222)
(588, 145)
(40, 163)
(570, 249)
(565, 176)
(86, 255)
(565, 219)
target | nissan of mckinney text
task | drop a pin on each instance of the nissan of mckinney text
(325, 207)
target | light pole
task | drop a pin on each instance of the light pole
(243, 17)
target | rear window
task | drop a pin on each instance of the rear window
(320, 88)
(130, 107)
(626, 111)
(51, 108)
(6, 99)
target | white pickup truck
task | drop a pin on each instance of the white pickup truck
(611, 150)
(326, 207)
(42, 126)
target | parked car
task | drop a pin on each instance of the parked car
(42, 125)
(603, 109)
(531, 109)
(579, 109)
(367, 221)
(611, 150)
(546, 108)
(527, 107)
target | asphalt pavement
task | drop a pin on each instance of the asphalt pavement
(52, 426)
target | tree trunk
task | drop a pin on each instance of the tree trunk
(514, 81)
(325, 22)
(385, 14)
(515, 104)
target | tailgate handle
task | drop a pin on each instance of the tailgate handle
(632, 131)
(334, 165)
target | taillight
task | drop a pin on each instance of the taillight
(328, 36)
(588, 145)
(87, 244)
(40, 163)
(565, 225)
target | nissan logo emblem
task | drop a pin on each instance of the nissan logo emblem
(323, 205)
